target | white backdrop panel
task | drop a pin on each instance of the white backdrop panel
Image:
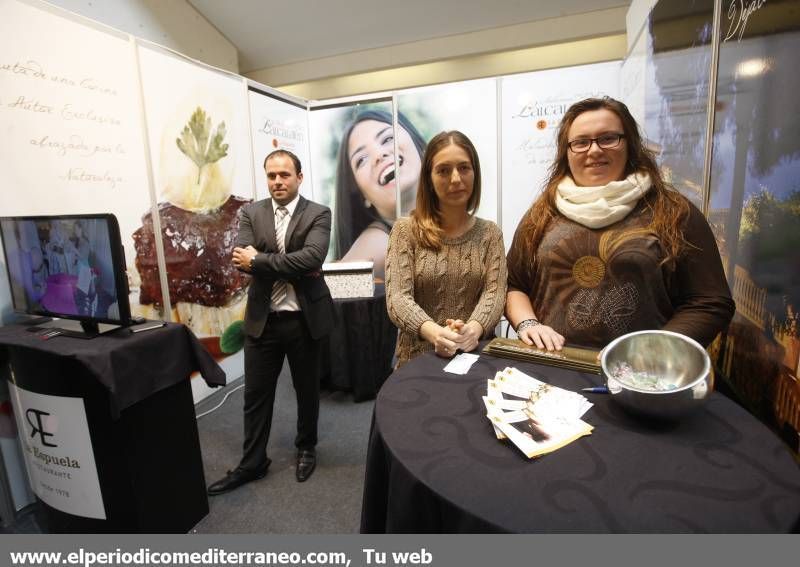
(469, 106)
(532, 107)
(278, 125)
(70, 136)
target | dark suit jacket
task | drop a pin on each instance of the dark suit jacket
(307, 238)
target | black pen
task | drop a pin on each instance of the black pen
(148, 328)
(596, 390)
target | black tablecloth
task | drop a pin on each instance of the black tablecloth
(361, 346)
(130, 366)
(435, 465)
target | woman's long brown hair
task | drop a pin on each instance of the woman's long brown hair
(670, 209)
(426, 218)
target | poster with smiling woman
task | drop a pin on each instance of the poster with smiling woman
(357, 174)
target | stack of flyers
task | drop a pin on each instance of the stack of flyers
(537, 417)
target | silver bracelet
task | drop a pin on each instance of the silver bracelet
(528, 323)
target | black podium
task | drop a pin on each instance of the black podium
(138, 403)
(361, 346)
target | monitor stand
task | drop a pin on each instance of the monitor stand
(71, 328)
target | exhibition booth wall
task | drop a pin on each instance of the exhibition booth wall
(94, 120)
(754, 205)
(713, 83)
(101, 121)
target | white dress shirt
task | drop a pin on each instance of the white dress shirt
(289, 302)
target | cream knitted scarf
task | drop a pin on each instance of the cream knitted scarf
(597, 207)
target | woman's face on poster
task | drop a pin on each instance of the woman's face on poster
(371, 156)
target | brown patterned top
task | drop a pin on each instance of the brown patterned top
(595, 285)
(464, 280)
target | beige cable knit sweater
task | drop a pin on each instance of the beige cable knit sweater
(464, 280)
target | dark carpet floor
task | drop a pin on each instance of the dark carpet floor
(328, 502)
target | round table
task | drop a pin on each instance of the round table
(434, 465)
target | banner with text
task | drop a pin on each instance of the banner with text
(58, 452)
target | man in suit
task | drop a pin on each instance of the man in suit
(282, 244)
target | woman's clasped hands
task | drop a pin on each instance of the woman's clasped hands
(456, 336)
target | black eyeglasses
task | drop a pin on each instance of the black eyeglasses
(605, 142)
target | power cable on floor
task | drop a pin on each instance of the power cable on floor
(219, 405)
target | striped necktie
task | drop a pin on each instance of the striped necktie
(279, 287)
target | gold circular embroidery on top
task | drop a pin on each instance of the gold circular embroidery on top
(588, 271)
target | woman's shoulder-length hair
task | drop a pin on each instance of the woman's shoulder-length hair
(669, 208)
(426, 219)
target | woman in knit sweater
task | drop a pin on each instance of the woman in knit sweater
(445, 270)
(609, 247)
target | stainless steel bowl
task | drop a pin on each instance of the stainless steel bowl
(658, 374)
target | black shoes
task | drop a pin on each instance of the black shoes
(236, 478)
(306, 463)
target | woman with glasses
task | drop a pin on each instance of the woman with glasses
(610, 247)
(445, 270)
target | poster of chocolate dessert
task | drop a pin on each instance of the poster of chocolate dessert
(278, 124)
(203, 173)
(70, 128)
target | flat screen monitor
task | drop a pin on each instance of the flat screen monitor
(69, 267)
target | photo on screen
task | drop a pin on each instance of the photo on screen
(62, 267)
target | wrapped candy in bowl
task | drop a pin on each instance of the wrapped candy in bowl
(658, 374)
